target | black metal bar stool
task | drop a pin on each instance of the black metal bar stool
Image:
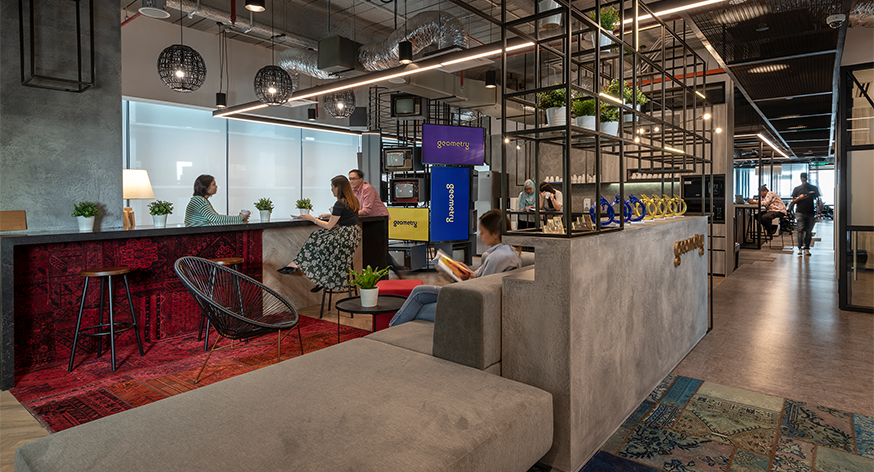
(105, 274)
(330, 293)
(234, 263)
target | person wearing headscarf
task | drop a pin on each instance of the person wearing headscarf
(527, 202)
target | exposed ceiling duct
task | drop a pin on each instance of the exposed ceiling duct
(443, 30)
(862, 14)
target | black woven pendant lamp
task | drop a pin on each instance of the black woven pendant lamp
(273, 85)
(180, 67)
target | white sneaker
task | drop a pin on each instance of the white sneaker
(807, 252)
(800, 252)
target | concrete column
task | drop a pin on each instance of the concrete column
(58, 148)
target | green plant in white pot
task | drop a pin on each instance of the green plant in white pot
(265, 206)
(85, 213)
(366, 282)
(584, 110)
(609, 20)
(159, 209)
(304, 205)
(554, 102)
(609, 120)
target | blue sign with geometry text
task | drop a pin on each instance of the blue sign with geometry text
(450, 203)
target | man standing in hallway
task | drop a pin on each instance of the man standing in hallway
(367, 196)
(774, 208)
(805, 197)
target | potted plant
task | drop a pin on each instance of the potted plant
(85, 212)
(265, 206)
(366, 281)
(627, 94)
(554, 102)
(609, 19)
(584, 110)
(609, 120)
(304, 205)
(159, 210)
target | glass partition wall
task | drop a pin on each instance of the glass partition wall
(855, 163)
(606, 142)
(248, 160)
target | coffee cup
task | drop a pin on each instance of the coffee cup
(245, 212)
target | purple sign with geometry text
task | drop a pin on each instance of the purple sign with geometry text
(459, 145)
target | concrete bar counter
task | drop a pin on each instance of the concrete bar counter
(41, 288)
(600, 321)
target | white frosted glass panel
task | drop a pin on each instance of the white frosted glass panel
(860, 169)
(264, 162)
(326, 155)
(175, 145)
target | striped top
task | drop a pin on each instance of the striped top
(201, 213)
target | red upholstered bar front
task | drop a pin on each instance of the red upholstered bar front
(392, 287)
(48, 289)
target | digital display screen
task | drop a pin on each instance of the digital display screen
(406, 190)
(405, 106)
(394, 158)
(461, 145)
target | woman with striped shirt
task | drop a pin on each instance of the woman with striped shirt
(200, 212)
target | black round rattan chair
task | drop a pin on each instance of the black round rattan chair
(237, 306)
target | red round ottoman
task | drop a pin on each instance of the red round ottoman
(392, 287)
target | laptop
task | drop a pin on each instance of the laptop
(739, 200)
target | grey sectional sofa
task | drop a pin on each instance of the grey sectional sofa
(383, 402)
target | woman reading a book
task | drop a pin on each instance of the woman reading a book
(499, 257)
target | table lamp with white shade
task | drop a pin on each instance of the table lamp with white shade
(135, 185)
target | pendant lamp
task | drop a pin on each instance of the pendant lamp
(491, 79)
(340, 104)
(273, 85)
(256, 6)
(405, 52)
(180, 67)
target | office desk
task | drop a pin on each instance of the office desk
(746, 222)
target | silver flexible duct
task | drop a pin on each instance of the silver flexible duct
(422, 30)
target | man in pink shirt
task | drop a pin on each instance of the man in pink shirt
(773, 208)
(367, 196)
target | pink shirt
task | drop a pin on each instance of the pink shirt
(369, 200)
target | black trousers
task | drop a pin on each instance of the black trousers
(766, 218)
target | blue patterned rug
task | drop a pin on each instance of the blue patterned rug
(687, 425)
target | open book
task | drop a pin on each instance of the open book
(449, 266)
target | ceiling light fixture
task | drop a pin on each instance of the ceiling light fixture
(769, 143)
(797, 127)
(506, 140)
(656, 129)
(291, 124)
(858, 129)
(768, 68)
(221, 98)
(700, 95)
(610, 97)
(668, 148)
(491, 79)
(154, 9)
(180, 67)
(675, 10)
(339, 104)
(256, 6)
(311, 114)
(405, 52)
(707, 116)
(762, 27)
(273, 85)
(718, 130)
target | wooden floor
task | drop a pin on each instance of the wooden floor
(777, 330)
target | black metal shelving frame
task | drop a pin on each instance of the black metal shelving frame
(659, 137)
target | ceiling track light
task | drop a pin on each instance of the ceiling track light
(221, 100)
(491, 79)
(769, 143)
(256, 6)
(311, 114)
(405, 52)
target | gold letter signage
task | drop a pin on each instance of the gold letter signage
(686, 245)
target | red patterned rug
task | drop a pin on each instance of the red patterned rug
(61, 400)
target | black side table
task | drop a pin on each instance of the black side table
(384, 304)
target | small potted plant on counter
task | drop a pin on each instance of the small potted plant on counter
(85, 213)
(366, 281)
(584, 110)
(304, 205)
(265, 206)
(554, 102)
(159, 209)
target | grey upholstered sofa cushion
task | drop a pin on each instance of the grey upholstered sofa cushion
(416, 335)
(359, 406)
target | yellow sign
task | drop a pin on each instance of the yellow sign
(408, 223)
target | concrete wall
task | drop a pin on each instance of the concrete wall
(58, 148)
(599, 322)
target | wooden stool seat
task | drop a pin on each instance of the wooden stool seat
(104, 271)
(228, 261)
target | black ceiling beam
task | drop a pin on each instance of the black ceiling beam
(798, 117)
(782, 58)
(789, 97)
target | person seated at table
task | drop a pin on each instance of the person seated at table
(326, 256)
(550, 198)
(773, 206)
(499, 257)
(527, 202)
(200, 212)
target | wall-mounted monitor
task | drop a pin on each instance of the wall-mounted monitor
(458, 145)
(408, 190)
(402, 159)
(409, 107)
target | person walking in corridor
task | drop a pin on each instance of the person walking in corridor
(805, 197)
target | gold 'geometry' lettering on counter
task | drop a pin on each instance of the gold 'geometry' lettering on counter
(686, 245)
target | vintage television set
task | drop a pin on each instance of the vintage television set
(409, 190)
(402, 159)
(409, 107)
